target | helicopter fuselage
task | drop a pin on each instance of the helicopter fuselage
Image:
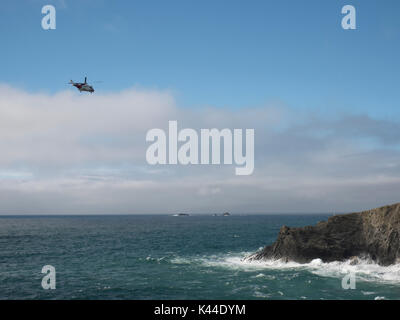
(83, 87)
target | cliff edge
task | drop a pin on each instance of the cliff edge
(374, 234)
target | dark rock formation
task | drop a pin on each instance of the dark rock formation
(374, 234)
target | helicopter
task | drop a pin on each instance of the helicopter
(82, 86)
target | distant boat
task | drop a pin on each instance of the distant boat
(181, 215)
(226, 214)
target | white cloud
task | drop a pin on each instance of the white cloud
(76, 153)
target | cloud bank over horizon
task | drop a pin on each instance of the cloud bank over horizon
(71, 153)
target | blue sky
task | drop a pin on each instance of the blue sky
(221, 53)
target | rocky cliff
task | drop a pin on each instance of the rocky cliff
(374, 234)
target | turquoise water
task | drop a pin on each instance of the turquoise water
(166, 257)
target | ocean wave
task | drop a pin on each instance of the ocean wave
(364, 269)
(153, 259)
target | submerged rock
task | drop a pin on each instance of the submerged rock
(374, 234)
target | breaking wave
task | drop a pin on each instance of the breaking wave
(364, 269)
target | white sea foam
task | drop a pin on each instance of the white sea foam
(158, 260)
(365, 270)
(367, 293)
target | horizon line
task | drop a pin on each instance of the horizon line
(163, 214)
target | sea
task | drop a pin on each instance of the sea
(172, 257)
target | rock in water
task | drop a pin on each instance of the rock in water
(374, 234)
